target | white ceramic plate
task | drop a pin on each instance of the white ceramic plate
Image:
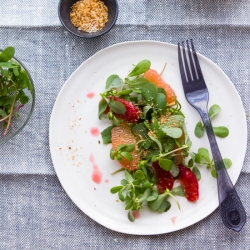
(77, 150)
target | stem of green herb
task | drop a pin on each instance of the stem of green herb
(177, 149)
(117, 171)
(165, 64)
(4, 118)
(10, 115)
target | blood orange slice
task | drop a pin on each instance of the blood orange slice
(189, 183)
(165, 179)
(154, 77)
(122, 135)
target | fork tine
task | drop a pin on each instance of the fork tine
(191, 62)
(198, 67)
(186, 63)
(182, 72)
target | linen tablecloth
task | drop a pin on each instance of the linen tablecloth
(35, 212)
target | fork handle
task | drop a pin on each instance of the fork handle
(231, 209)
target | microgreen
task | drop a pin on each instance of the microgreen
(136, 82)
(114, 81)
(123, 150)
(220, 131)
(117, 107)
(165, 164)
(161, 204)
(214, 110)
(161, 103)
(203, 158)
(106, 135)
(134, 191)
(149, 92)
(13, 81)
(140, 68)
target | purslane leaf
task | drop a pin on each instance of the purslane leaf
(166, 164)
(154, 205)
(203, 152)
(227, 162)
(199, 130)
(102, 107)
(221, 131)
(140, 68)
(161, 103)
(165, 206)
(139, 175)
(172, 131)
(131, 216)
(127, 155)
(149, 92)
(157, 142)
(214, 110)
(178, 191)
(197, 173)
(113, 81)
(174, 170)
(116, 189)
(117, 107)
(106, 135)
(136, 82)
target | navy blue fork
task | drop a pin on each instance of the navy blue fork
(231, 209)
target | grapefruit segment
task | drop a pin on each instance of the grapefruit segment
(122, 135)
(154, 77)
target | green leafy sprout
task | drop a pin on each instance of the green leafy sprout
(13, 81)
(220, 131)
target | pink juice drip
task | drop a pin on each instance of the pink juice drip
(96, 174)
(90, 95)
(173, 219)
(107, 181)
(94, 131)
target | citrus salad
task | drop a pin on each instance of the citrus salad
(149, 140)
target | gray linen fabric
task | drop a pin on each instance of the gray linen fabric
(35, 212)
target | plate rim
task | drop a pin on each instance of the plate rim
(96, 55)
